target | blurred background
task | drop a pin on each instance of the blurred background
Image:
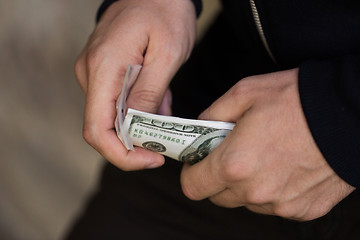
(47, 171)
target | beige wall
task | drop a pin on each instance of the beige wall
(46, 169)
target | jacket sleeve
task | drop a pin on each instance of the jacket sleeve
(106, 3)
(330, 97)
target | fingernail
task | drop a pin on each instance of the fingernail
(154, 165)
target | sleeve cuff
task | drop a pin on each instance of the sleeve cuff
(330, 97)
(105, 4)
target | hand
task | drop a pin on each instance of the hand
(269, 163)
(159, 34)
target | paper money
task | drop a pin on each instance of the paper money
(186, 140)
(130, 77)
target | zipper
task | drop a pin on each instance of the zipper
(260, 30)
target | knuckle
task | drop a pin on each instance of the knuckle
(145, 99)
(314, 212)
(78, 67)
(93, 57)
(97, 52)
(285, 210)
(173, 57)
(304, 217)
(243, 88)
(259, 195)
(103, 52)
(173, 53)
(136, 58)
(309, 217)
(235, 169)
(232, 172)
(88, 135)
(188, 190)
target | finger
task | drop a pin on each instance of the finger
(81, 72)
(227, 198)
(106, 62)
(165, 107)
(99, 133)
(199, 182)
(227, 166)
(231, 106)
(266, 209)
(103, 89)
(159, 67)
(205, 178)
(230, 199)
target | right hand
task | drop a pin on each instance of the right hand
(159, 34)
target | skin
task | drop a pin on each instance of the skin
(269, 163)
(159, 34)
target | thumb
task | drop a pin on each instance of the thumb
(230, 107)
(149, 89)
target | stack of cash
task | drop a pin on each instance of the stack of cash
(186, 140)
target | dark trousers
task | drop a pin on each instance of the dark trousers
(149, 204)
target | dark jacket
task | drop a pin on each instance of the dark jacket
(321, 37)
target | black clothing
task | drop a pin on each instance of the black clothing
(105, 4)
(323, 39)
(150, 205)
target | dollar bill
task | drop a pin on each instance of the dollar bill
(131, 75)
(186, 140)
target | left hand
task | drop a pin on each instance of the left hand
(158, 34)
(269, 163)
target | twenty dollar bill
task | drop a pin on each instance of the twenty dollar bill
(185, 140)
